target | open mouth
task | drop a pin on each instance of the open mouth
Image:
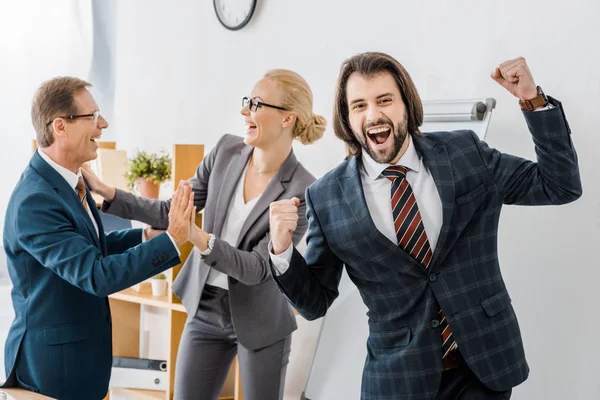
(379, 134)
(250, 127)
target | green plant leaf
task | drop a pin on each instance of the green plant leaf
(153, 166)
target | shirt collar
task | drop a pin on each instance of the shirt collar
(71, 178)
(410, 160)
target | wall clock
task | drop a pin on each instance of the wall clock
(234, 14)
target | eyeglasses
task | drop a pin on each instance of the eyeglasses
(95, 115)
(254, 104)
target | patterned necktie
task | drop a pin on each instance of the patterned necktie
(81, 192)
(411, 234)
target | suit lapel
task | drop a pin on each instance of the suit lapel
(66, 192)
(354, 198)
(230, 181)
(436, 159)
(274, 189)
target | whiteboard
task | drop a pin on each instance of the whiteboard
(336, 369)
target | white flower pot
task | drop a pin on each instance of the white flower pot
(159, 287)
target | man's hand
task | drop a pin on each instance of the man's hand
(151, 233)
(181, 213)
(516, 77)
(96, 185)
(283, 220)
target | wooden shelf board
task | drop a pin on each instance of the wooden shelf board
(132, 296)
(140, 394)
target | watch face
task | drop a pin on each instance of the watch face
(234, 14)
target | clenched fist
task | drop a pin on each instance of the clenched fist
(516, 77)
(283, 218)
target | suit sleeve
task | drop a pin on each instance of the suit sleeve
(554, 179)
(250, 267)
(118, 242)
(156, 212)
(49, 235)
(311, 284)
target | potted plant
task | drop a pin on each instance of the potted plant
(147, 171)
(159, 285)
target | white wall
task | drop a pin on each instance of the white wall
(3, 267)
(38, 40)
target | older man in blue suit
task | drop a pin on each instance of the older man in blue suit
(414, 218)
(61, 263)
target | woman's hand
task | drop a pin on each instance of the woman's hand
(199, 238)
(96, 185)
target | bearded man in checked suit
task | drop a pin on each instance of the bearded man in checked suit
(414, 218)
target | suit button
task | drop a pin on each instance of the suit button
(435, 323)
(212, 264)
(432, 278)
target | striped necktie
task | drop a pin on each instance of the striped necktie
(411, 234)
(82, 193)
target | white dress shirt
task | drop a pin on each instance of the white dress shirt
(236, 216)
(72, 179)
(377, 190)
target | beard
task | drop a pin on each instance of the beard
(398, 136)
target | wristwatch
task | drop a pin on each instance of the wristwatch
(537, 102)
(211, 243)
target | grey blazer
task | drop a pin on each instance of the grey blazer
(261, 315)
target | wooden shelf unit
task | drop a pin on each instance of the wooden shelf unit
(132, 296)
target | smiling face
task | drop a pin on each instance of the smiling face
(377, 115)
(266, 124)
(77, 137)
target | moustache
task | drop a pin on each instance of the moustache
(379, 122)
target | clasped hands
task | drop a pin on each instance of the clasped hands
(182, 219)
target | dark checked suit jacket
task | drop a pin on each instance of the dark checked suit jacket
(404, 354)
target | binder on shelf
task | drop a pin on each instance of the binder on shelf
(138, 373)
(139, 363)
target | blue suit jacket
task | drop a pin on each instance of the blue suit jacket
(404, 354)
(60, 342)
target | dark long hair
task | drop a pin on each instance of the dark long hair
(370, 64)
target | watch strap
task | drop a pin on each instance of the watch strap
(537, 102)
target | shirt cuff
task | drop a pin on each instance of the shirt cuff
(281, 262)
(548, 107)
(174, 244)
